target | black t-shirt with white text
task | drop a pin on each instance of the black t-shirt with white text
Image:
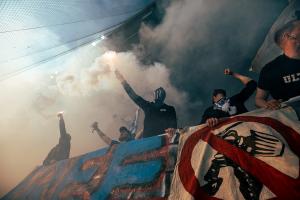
(281, 78)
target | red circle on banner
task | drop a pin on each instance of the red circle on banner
(282, 185)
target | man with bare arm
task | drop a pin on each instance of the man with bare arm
(125, 135)
(281, 77)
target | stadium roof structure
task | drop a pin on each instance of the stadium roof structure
(34, 32)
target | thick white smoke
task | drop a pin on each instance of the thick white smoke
(81, 84)
(196, 40)
(100, 78)
(85, 87)
(99, 84)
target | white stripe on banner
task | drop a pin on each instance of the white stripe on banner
(249, 156)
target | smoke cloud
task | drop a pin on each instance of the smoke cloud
(85, 88)
(100, 77)
(197, 39)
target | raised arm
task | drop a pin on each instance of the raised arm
(142, 103)
(62, 127)
(242, 78)
(104, 137)
(249, 88)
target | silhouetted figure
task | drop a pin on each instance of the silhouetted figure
(158, 115)
(62, 150)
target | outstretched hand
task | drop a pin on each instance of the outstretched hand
(273, 104)
(211, 122)
(227, 71)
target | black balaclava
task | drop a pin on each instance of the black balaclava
(159, 96)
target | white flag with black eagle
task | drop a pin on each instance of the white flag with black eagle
(249, 156)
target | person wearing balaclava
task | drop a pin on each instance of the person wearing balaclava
(224, 106)
(158, 115)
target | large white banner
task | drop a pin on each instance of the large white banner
(250, 156)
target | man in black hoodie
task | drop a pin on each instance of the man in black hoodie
(158, 115)
(224, 106)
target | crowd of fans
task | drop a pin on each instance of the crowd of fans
(279, 81)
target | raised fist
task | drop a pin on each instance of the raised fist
(227, 71)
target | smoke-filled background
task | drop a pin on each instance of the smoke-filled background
(86, 90)
(184, 48)
(199, 38)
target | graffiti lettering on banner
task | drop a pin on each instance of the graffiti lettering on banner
(135, 170)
